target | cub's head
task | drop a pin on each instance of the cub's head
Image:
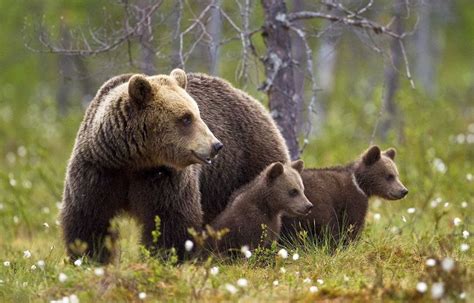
(377, 174)
(170, 120)
(286, 189)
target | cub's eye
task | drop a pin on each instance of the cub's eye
(390, 177)
(186, 119)
(293, 193)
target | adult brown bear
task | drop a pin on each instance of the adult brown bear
(137, 149)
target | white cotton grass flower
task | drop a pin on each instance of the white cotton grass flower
(188, 245)
(214, 271)
(26, 254)
(295, 257)
(62, 277)
(33, 267)
(439, 165)
(430, 262)
(395, 230)
(447, 264)
(231, 288)
(283, 253)
(41, 264)
(282, 270)
(437, 290)
(421, 287)
(464, 247)
(16, 220)
(78, 262)
(411, 210)
(275, 283)
(73, 299)
(2, 206)
(346, 278)
(446, 204)
(242, 282)
(469, 177)
(465, 234)
(45, 225)
(99, 271)
(246, 251)
(6, 263)
(248, 254)
(460, 138)
(404, 219)
(435, 202)
(313, 289)
(307, 280)
(142, 295)
(464, 204)
(377, 217)
(320, 281)
(462, 296)
(457, 221)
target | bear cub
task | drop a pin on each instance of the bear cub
(254, 212)
(340, 196)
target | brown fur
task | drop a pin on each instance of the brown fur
(253, 215)
(340, 206)
(134, 152)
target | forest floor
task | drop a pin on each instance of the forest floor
(418, 248)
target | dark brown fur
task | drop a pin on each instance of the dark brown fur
(253, 215)
(128, 160)
(340, 206)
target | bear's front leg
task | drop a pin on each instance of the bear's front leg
(92, 198)
(174, 197)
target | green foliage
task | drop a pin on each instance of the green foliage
(434, 159)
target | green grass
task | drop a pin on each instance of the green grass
(385, 265)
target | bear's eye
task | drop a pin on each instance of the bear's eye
(293, 192)
(186, 119)
(390, 177)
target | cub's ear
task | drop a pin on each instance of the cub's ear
(298, 165)
(372, 155)
(391, 153)
(180, 76)
(275, 170)
(139, 89)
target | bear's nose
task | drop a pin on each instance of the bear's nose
(216, 147)
(308, 208)
(404, 192)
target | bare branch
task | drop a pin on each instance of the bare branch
(103, 46)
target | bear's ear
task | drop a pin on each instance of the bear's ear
(391, 153)
(372, 155)
(180, 76)
(139, 89)
(298, 165)
(275, 170)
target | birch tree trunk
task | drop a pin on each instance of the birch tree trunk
(392, 74)
(280, 82)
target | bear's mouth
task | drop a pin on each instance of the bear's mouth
(202, 159)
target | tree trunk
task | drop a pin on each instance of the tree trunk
(147, 51)
(392, 74)
(66, 69)
(215, 33)
(424, 50)
(299, 56)
(280, 82)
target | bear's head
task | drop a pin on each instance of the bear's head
(377, 174)
(286, 190)
(176, 134)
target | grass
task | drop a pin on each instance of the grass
(385, 265)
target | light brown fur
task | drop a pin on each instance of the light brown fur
(133, 153)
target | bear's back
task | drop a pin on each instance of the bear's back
(250, 137)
